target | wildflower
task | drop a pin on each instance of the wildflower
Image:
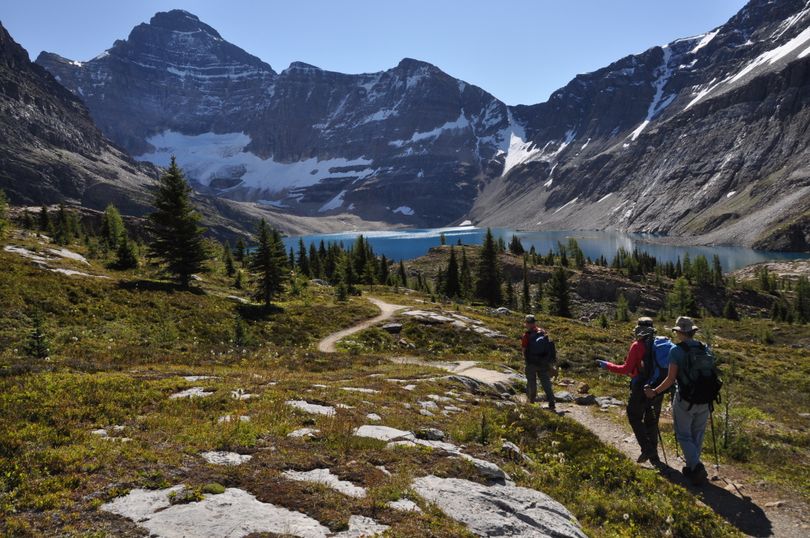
(670, 519)
(626, 516)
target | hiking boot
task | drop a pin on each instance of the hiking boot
(698, 475)
(686, 472)
(642, 458)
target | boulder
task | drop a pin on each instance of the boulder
(587, 399)
(564, 396)
(430, 434)
(499, 510)
(393, 328)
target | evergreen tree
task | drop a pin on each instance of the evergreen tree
(27, 220)
(3, 214)
(239, 252)
(268, 265)
(291, 259)
(315, 267)
(62, 230)
(37, 344)
(622, 308)
(403, 276)
(515, 246)
(576, 252)
(112, 227)
(237, 282)
(347, 276)
(176, 236)
(730, 311)
(442, 239)
(526, 300)
(510, 297)
(303, 259)
(558, 293)
(803, 300)
(466, 280)
(538, 296)
(681, 301)
(717, 272)
(702, 273)
(488, 283)
(384, 271)
(44, 220)
(227, 259)
(687, 267)
(126, 257)
(452, 281)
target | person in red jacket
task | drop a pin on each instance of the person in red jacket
(642, 413)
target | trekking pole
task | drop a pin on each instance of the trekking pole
(658, 429)
(714, 440)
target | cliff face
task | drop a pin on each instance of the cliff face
(706, 136)
(51, 149)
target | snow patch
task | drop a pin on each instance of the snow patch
(658, 103)
(210, 156)
(566, 205)
(458, 124)
(706, 39)
(334, 203)
(774, 55)
(404, 210)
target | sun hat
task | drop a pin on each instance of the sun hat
(530, 319)
(684, 324)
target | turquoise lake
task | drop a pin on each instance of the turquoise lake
(412, 243)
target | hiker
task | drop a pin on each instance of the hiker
(539, 353)
(642, 413)
(692, 369)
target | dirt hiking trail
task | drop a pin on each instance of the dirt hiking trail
(387, 310)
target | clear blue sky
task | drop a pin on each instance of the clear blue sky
(519, 50)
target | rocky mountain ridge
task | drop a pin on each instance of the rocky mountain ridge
(704, 137)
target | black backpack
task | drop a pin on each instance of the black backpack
(699, 381)
(540, 348)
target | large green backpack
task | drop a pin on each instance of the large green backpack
(699, 380)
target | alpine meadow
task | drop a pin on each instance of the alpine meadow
(242, 302)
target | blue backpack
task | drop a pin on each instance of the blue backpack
(656, 362)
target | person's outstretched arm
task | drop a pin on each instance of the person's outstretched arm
(631, 363)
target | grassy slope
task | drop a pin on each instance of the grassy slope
(118, 351)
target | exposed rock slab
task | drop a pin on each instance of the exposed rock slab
(217, 457)
(193, 392)
(315, 409)
(500, 510)
(232, 514)
(325, 477)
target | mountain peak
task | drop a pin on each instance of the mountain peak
(11, 53)
(412, 63)
(178, 20)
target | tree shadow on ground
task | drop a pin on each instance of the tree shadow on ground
(257, 312)
(739, 510)
(158, 285)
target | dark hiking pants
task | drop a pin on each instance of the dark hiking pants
(643, 413)
(543, 370)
